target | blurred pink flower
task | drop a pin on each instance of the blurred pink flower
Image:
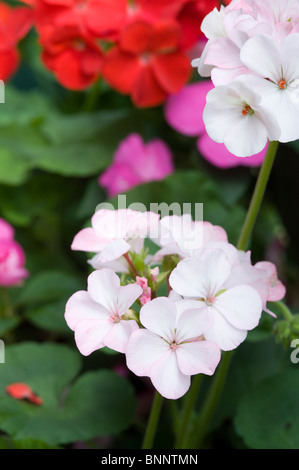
(183, 111)
(12, 257)
(136, 162)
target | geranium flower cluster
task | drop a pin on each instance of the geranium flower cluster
(214, 295)
(12, 257)
(251, 55)
(14, 25)
(140, 47)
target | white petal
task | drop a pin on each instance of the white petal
(89, 335)
(199, 357)
(118, 336)
(103, 287)
(143, 349)
(246, 137)
(126, 296)
(81, 306)
(113, 251)
(226, 336)
(167, 378)
(201, 276)
(193, 323)
(261, 55)
(241, 306)
(160, 317)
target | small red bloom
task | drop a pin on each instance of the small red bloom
(14, 25)
(147, 63)
(21, 391)
(76, 60)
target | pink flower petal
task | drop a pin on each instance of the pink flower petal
(198, 357)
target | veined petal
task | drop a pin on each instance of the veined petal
(87, 240)
(127, 295)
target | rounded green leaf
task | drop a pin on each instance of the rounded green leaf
(99, 403)
(268, 416)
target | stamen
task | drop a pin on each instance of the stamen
(246, 110)
(282, 84)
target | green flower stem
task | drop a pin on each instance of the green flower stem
(258, 195)
(188, 408)
(284, 310)
(197, 435)
(153, 422)
(7, 310)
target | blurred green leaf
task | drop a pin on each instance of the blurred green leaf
(98, 403)
(268, 416)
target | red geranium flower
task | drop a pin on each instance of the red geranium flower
(14, 25)
(76, 60)
(100, 18)
(146, 63)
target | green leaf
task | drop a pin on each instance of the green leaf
(268, 416)
(99, 403)
(8, 324)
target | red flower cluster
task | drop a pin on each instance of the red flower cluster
(140, 47)
(14, 25)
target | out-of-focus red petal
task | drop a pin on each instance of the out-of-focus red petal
(172, 71)
(9, 61)
(137, 37)
(22, 391)
(121, 69)
(167, 35)
(147, 91)
(105, 16)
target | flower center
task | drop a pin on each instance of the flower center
(173, 346)
(247, 110)
(115, 318)
(282, 84)
(210, 301)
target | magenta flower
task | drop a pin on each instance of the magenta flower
(184, 112)
(12, 257)
(136, 162)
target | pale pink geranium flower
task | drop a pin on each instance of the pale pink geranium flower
(183, 111)
(181, 236)
(97, 316)
(234, 116)
(171, 347)
(136, 162)
(202, 280)
(113, 234)
(276, 69)
(12, 257)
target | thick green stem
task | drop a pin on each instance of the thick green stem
(153, 422)
(188, 408)
(258, 195)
